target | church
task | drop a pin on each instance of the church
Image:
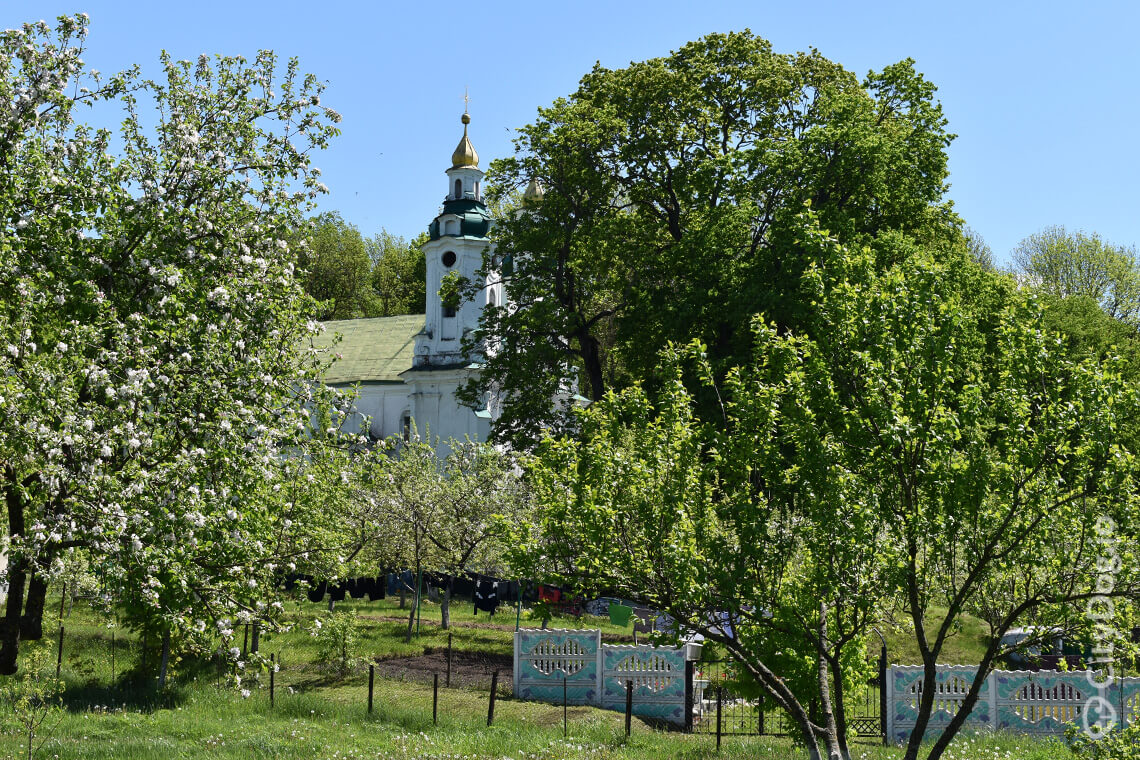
(408, 368)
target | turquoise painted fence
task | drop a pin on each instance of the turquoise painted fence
(593, 673)
(545, 661)
(1020, 701)
(657, 675)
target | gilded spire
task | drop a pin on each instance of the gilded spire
(533, 190)
(465, 156)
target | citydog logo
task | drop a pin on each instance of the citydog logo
(1101, 609)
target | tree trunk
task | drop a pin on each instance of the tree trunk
(824, 678)
(592, 360)
(32, 621)
(415, 608)
(840, 707)
(445, 602)
(165, 660)
(17, 577)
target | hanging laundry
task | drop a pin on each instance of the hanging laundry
(487, 596)
(620, 614)
(317, 592)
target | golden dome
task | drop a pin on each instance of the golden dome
(533, 190)
(465, 156)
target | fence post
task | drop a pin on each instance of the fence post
(447, 682)
(435, 699)
(491, 703)
(628, 706)
(719, 699)
(59, 655)
(565, 723)
(272, 673)
(112, 658)
(371, 676)
(760, 720)
(245, 641)
(883, 692)
(689, 668)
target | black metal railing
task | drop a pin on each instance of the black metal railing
(720, 694)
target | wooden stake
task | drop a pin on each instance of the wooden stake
(371, 676)
(272, 672)
(491, 704)
(435, 699)
(59, 655)
(447, 682)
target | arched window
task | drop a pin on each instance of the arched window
(476, 191)
(458, 188)
(491, 297)
(406, 425)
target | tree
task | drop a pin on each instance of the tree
(979, 249)
(399, 274)
(415, 510)
(930, 443)
(986, 451)
(670, 194)
(152, 374)
(1079, 264)
(337, 269)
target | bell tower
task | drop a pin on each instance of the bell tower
(454, 255)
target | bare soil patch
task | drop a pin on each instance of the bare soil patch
(468, 669)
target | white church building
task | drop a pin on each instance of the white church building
(408, 368)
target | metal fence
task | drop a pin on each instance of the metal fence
(721, 689)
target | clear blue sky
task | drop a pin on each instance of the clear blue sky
(1044, 96)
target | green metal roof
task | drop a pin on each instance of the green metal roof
(372, 350)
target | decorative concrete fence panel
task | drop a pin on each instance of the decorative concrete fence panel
(904, 692)
(657, 675)
(544, 658)
(593, 673)
(1024, 702)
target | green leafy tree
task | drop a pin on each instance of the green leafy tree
(337, 269)
(153, 370)
(1064, 264)
(338, 636)
(671, 188)
(35, 698)
(399, 274)
(930, 445)
(985, 451)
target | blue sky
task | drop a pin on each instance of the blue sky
(1044, 96)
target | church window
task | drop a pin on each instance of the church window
(458, 188)
(491, 297)
(448, 259)
(449, 311)
(476, 191)
(406, 426)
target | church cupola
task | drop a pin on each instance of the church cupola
(458, 239)
(464, 213)
(465, 156)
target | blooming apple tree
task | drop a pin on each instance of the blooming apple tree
(153, 375)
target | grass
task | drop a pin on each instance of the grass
(318, 715)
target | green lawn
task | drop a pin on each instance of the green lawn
(320, 715)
